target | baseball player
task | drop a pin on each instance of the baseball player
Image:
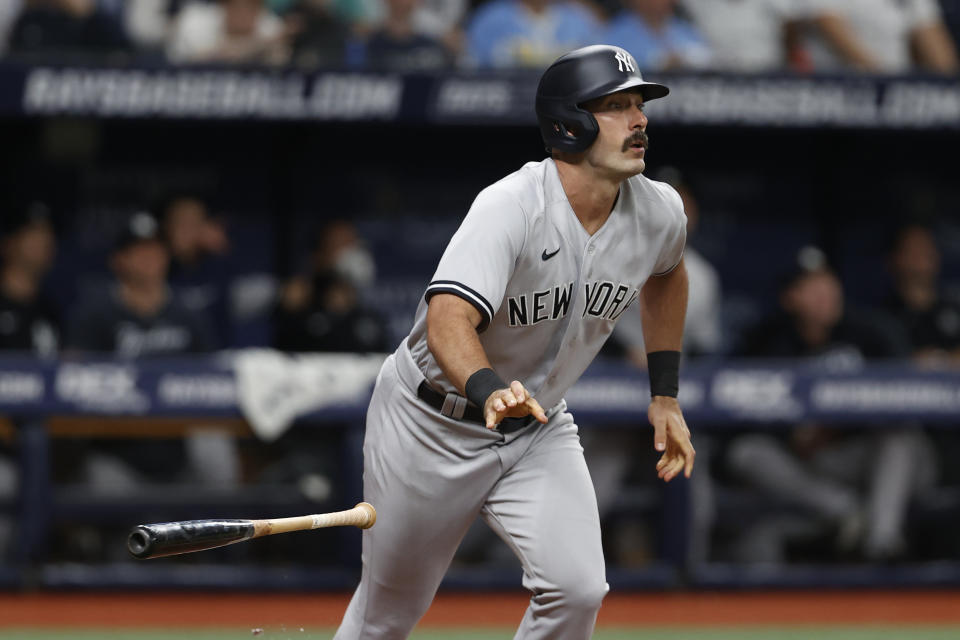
(527, 291)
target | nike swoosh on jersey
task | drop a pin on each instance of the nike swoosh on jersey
(546, 256)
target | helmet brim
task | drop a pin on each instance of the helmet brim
(649, 90)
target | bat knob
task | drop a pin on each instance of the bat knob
(371, 515)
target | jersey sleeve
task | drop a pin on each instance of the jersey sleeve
(482, 254)
(675, 235)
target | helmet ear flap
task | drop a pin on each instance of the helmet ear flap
(568, 130)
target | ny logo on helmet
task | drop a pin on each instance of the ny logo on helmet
(624, 61)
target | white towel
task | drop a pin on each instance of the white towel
(277, 388)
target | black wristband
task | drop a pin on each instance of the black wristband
(481, 384)
(664, 369)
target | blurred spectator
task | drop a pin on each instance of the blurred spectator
(28, 322)
(528, 33)
(657, 38)
(887, 36)
(951, 17)
(322, 311)
(613, 454)
(814, 321)
(855, 485)
(320, 36)
(435, 18)
(138, 316)
(441, 19)
(329, 319)
(361, 14)
(931, 319)
(748, 35)
(701, 329)
(280, 7)
(149, 22)
(395, 46)
(199, 272)
(63, 27)
(230, 31)
(9, 11)
(340, 249)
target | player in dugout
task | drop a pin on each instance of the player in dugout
(137, 316)
(529, 288)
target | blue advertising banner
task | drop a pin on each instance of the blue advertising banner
(730, 393)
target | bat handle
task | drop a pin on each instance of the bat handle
(363, 515)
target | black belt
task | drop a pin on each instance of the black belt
(471, 413)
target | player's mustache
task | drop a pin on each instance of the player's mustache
(638, 137)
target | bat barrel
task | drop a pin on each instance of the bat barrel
(138, 542)
(169, 538)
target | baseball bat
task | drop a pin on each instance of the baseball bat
(170, 538)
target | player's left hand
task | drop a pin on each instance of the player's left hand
(672, 436)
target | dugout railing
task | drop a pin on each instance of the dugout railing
(48, 400)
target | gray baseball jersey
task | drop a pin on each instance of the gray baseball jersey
(548, 292)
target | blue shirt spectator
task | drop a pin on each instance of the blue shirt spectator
(528, 33)
(656, 37)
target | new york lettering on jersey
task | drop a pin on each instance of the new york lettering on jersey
(603, 300)
(606, 299)
(532, 308)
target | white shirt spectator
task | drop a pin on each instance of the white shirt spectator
(747, 35)
(701, 332)
(883, 28)
(199, 34)
(701, 328)
(147, 22)
(436, 18)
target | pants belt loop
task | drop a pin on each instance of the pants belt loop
(453, 406)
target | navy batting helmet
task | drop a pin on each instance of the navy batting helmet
(576, 77)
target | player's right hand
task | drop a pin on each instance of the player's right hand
(513, 402)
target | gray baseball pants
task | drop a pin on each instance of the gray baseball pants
(429, 477)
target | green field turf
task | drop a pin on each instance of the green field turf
(699, 633)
